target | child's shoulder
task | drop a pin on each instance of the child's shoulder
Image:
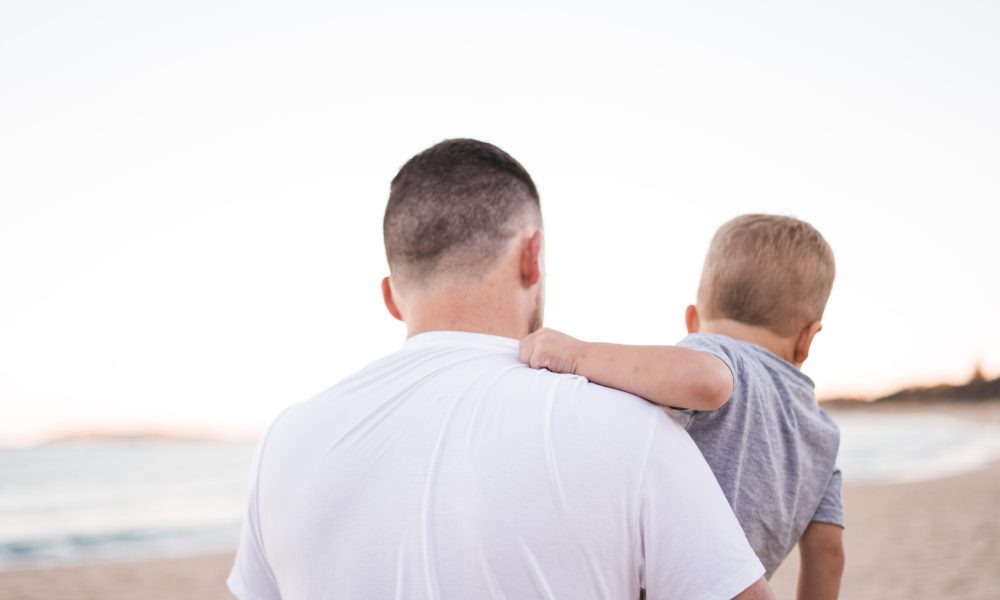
(731, 350)
(742, 355)
(767, 386)
(710, 340)
(718, 342)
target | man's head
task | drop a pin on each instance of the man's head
(459, 215)
(767, 271)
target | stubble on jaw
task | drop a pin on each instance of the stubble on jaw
(535, 322)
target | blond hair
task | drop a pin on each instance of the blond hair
(767, 270)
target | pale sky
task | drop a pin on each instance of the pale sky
(191, 194)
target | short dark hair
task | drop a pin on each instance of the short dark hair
(453, 208)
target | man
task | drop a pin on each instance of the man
(449, 469)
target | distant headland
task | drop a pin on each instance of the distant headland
(138, 435)
(977, 390)
(129, 436)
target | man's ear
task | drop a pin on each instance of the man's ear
(531, 260)
(691, 319)
(804, 342)
(390, 301)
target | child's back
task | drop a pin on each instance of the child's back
(763, 290)
(771, 447)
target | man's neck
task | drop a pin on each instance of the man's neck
(471, 310)
(761, 336)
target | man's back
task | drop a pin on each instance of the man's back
(450, 469)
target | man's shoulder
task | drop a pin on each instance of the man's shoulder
(594, 415)
(593, 406)
(583, 391)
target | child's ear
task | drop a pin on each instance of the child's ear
(390, 300)
(804, 342)
(691, 319)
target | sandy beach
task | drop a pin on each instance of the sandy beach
(930, 539)
(933, 539)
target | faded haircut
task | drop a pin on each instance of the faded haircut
(767, 270)
(454, 209)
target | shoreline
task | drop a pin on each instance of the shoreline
(927, 539)
(985, 412)
(931, 538)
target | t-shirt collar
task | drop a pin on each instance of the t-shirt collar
(430, 339)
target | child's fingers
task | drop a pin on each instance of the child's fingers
(538, 359)
(527, 347)
(530, 344)
(543, 358)
(531, 352)
(540, 351)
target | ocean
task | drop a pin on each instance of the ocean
(77, 502)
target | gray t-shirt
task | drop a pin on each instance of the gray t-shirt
(772, 448)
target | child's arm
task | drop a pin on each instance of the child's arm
(821, 549)
(666, 375)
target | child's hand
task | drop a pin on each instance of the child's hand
(552, 350)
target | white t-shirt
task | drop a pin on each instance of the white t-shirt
(451, 470)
